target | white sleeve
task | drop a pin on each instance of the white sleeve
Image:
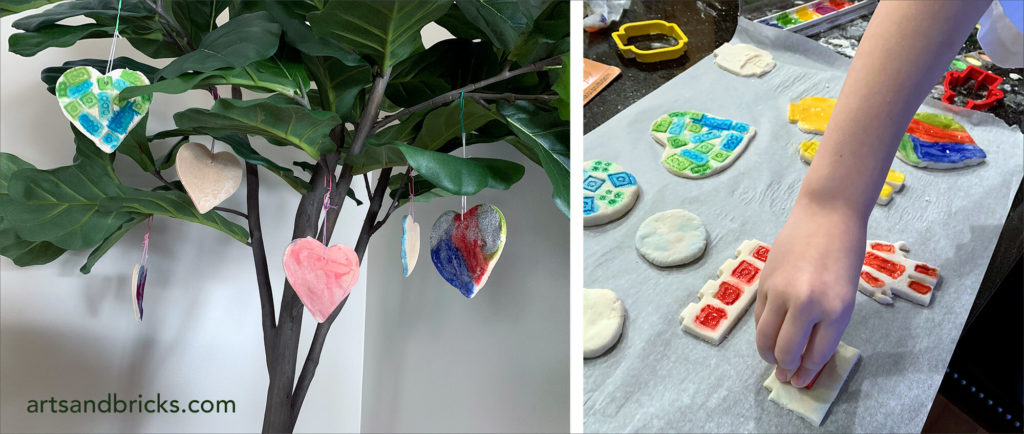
(1001, 33)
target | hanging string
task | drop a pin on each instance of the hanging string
(113, 44)
(213, 147)
(329, 183)
(145, 241)
(462, 123)
(412, 196)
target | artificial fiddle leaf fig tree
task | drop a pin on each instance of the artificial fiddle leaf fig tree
(349, 85)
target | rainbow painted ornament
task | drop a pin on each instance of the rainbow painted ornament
(464, 247)
(938, 141)
(321, 276)
(139, 275)
(410, 244)
(91, 101)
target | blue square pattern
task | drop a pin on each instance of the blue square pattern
(677, 127)
(621, 179)
(705, 136)
(731, 141)
(592, 183)
(589, 205)
(694, 156)
(716, 123)
(740, 127)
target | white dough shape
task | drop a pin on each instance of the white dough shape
(698, 145)
(670, 238)
(744, 60)
(609, 192)
(812, 402)
(887, 271)
(724, 301)
(208, 178)
(603, 315)
(410, 244)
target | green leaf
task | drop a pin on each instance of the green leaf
(245, 151)
(109, 242)
(549, 36)
(376, 155)
(280, 124)
(505, 22)
(291, 16)
(562, 88)
(446, 65)
(31, 43)
(99, 10)
(443, 124)
(136, 146)
(172, 204)
(404, 131)
(237, 43)
(52, 74)
(385, 31)
(197, 17)
(342, 84)
(456, 23)
(463, 176)
(11, 7)
(268, 75)
(548, 135)
(23, 253)
(62, 205)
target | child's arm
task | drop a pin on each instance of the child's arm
(807, 289)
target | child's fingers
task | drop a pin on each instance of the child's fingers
(820, 346)
(793, 337)
(768, 330)
(759, 303)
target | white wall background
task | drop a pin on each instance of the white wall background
(74, 336)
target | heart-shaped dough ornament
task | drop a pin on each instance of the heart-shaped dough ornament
(410, 244)
(90, 100)
(139, 275)
(208, 178)
(322, 277)
(465, 247)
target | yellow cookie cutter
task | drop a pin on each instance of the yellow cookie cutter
(652, 27)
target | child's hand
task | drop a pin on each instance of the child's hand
(807, 289)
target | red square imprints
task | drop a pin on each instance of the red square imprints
(710, 316)
(884, 266)
(760, 253)
(728, 293)
(746, 272)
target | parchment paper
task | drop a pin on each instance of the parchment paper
(659, 378)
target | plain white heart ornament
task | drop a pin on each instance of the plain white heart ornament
(208, 178)
(322, 277)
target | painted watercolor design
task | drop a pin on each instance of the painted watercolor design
(938, 141)
(698, 145)
(90, 101)
(465, 247)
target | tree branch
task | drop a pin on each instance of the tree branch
(394, 204)
(232, 211)
(453, 95)
(259, 253)
(320, 334)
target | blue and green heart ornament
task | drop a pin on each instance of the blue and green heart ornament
(91, 101)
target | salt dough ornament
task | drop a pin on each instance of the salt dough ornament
(724, 301)
(90, 100)
(893, 180)
(138, 289)
(812, 113)
(609, 192)
(321, 276)
(744, 60)
(465, 247)
(208, 178)
(813, 401)
(888, 271)
(410, 244)
(670, 238)
(603, 315)
(938, 141)
(698, 145)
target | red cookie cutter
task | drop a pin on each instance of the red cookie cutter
(981, 77)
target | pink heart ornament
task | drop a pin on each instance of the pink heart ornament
(321, 276)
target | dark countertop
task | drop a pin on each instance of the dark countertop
(708, 24)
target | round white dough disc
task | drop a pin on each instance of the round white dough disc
(744, 60)
(603, 315)
(670, 238)
(609, 192)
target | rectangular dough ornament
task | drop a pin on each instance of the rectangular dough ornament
(812, 403)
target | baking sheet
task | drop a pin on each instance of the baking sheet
(659, 378)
